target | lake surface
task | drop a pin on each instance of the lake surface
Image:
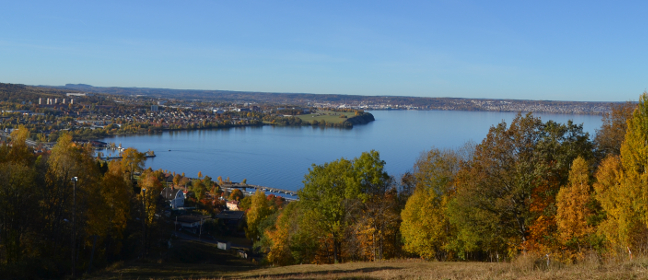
(279, 157)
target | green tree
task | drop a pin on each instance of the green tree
(199, 188)
(333, 190)
(245, 203)
(323, 195)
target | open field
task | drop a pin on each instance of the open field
(328, 116)
(209, 263)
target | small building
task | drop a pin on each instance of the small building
(232, 219)
(232, 205)
(175, 197)
(192, 222)
(223, 245)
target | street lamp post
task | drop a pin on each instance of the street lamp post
(74, 182)
(144, 222)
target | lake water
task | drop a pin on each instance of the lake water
(279, 157)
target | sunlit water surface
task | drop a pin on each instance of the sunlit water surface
(280, 156)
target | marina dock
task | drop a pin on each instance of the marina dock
(244, 187)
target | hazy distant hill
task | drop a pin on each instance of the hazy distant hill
(17, 93)
(375, 102)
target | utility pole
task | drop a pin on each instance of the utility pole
(74, 181)
(144, 222)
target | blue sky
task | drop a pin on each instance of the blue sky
(581, 50)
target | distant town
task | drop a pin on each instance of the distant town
(89, 113)
(333, 101)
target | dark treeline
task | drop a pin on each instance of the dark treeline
(66, 207)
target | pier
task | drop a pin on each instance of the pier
(257, 187)
(120, 157)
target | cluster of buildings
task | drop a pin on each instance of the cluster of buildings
(175, 198)
(461, 104)
(53, 101)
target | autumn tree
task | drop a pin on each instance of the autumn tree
(325, 189)
(259, 210)
(237, 195)
(66, 161)
(199, 188)
(115, 207)
(151, 187)
(245, 203)
(426, 228)
(610, 136)
(132, 160)
(331, 190)
(505, 196)
(574, 208)
(176, 179)
(20, 153)
(373, 210)
(622, 225)
(18, 193)
(280, 236)
(622, 185)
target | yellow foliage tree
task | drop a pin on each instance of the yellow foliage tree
(622, 225)
(132, 160)
(425, 228)
(151, 189)
(20, 152)
(622, 185)
(573, 211)
(259, 210)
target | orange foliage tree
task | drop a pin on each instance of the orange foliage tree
(574, 211)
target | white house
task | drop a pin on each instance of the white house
(175, 197)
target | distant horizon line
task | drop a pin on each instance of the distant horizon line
(307, 93)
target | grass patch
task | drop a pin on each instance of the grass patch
(328, 116)
(392, 269)
(186, 260)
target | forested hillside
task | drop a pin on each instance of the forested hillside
(532, 189)
(529, 188)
